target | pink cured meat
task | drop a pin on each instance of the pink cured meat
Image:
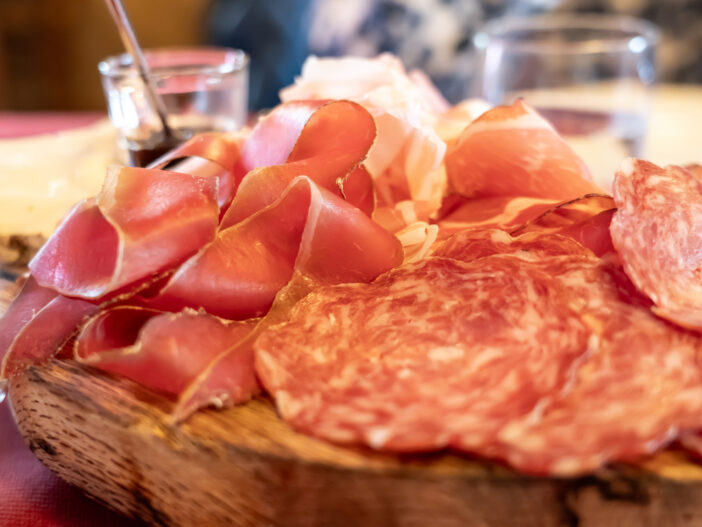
(657, 232)
(41, 336)
(612, 410)
(143, 221)
(31, 299)
(586, 220)
(162, 351)
(473, 244)
(309, 229)
(512, 151)
(503, 212)
(433, 354)
(219, 148)
(324, 140)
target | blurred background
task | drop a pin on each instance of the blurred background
(49, 49)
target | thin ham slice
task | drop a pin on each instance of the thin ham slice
(52, 322)
(512, 151)
(586, 220)
(230, 377)
(657, 232)
(162, 351)
(30, 299)
(405, 158)
(325, 141)
(308, 228)
(143, 221)
(473, 244)
(223, 149)
(503, 212)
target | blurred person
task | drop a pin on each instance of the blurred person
(432, 35)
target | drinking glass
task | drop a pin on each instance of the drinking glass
(203, 89)
(589, 75)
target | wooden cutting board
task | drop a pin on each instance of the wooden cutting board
(244, 467)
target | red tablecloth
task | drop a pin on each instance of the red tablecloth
(30, 495)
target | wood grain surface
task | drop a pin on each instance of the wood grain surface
(244, 467)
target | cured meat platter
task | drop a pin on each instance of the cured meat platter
(243, 466)
(371, 308)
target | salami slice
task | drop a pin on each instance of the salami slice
(432, 354)
(657, 231)
(639, 382)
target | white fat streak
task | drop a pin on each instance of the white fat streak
(529, 121)
(105, 200)
(377, 437)
(445, 353)
(628, 166)
(417, 233)
(287, 405)
(303, 254)
(406, 209)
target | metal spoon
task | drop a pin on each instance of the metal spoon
(131, 44)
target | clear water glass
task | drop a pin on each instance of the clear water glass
(203, 89)
(589, 75)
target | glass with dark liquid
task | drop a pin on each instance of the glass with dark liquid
(203, 89)
(589, 75)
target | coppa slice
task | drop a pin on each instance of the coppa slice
(657, 231)
(431, 354)
(640, 382)
(512, 151)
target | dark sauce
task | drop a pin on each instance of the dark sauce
(141, 154)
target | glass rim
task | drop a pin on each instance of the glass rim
(630, 28)
(232, 61)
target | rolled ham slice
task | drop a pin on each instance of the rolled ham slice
(144, 221)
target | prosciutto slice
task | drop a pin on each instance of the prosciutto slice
(512, 151)
(657, 232)
(323, 140)
(143, 221)
(308, 228)
(585, 219)
(503, 212)
(405, 158)
(471, 245)
(162, 351)
(223, 149)
(36, 325)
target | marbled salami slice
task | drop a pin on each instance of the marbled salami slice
(657, 231)
(433, 354)
(639, 383)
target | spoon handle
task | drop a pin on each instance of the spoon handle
(131, 44)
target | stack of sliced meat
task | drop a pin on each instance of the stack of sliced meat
(175, 270)
(531, 317)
